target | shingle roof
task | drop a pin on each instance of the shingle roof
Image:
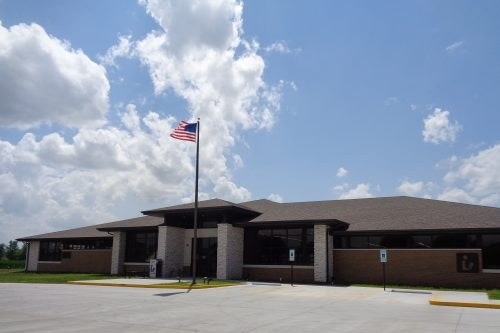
(84, 232)
(99, 230)
(389, 213)
(373, 214)
(137, 222)
(204, 204)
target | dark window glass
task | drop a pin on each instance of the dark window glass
(374, 242)
(88, 244)
(359, 242)
(422, 241)
(395, 241)
(449, 241)
(141, 246)
(491, 251)
(50, 251)
(270, 246)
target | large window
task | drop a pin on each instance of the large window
(491, 251)
(50, 251)
(141, 246)
(270, 246)
(402, 241)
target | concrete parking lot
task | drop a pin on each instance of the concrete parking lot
(247, 308)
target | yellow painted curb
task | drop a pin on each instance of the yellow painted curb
(157, 286)
(465, 304)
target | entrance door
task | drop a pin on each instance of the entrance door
(206, 261)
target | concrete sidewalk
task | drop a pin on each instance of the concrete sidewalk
(443, 298)
(129, 282)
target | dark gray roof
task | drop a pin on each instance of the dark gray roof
(211, 204)
(137, 222)
(84, 232)
(99, 230)
(389, 213)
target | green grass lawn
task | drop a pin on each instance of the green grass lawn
(494, 294)
(19, 276)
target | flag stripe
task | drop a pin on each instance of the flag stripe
(185, 131)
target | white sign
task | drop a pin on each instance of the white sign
(383, 255)
(152, 268)
(291, 255)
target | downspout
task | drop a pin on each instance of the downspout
(327, 258)
(26, 259)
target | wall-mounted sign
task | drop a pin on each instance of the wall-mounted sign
(383, 255)
(467, 263)
(152, 268)
(291, 255)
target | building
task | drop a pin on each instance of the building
(428, 242)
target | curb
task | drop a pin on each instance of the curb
(154, 286)
(465, 304)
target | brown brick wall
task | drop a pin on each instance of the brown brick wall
(409, 267)
(303, 275)
(81, 261)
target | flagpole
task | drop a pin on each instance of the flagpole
(195, 226)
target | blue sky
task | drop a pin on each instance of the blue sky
(298, 101)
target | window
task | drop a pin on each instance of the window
(270, 246)
(50, 251)
(491, 251)
(88, 244)
(141, 246)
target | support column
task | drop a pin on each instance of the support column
(33, 253)
(320, 253)
(229, 252)
(171, 250)
(118, 252)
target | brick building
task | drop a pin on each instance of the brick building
(429, 242)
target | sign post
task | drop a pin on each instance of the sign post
(291, 258)
(383, 260)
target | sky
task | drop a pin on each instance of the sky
(298, 101)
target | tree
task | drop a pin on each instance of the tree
(21, 253)
(2, 251)
(12, 250)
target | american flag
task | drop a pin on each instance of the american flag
(185, 131)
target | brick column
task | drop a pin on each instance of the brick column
(229, 252)
(118, 252)
(34, 251)
(320, 253)
(171, 250)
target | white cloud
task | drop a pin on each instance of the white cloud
(454, 46)
(279, 47)
(438, 128)
(360, 191)
(341, 172)
(411, 189)
(275, 197)
(62, 184)
(475, 179)
(44, 80)
(413, 107)
(124, 48)
(238, 161)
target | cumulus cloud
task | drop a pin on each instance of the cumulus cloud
(275, 197)
(63, 183)
(360, 191)
(416, 189)
(341, 172)
(278, 47)
(438, 128)
(44, 80)
(124, 48)
(475, 179)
